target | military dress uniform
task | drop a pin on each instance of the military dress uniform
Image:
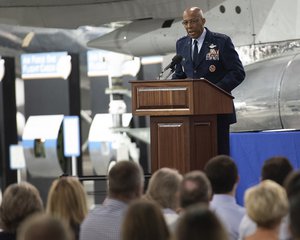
(217, 62)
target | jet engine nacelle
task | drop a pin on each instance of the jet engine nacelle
(269, 97)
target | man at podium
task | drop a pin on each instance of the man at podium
(212, 56)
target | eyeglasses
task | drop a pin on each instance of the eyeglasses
(192, 21)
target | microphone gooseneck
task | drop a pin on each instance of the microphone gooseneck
(175, 60)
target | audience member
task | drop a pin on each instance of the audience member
(294, 216)
(19, 202)
(276, 169)
(198, 222)
(144, 221)
(223, 175)
(163, 188)
(292, 184)
(292, 187)
(67, 201)
(194, 188)
(125, 183)
(266, 205)
(44, 227)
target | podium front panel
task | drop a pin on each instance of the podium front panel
(170, 143)
(183, 142)
(204, 140)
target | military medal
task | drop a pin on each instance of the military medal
(212, 68)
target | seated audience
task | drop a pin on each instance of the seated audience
(67, 201)
(266, 205)
(163, 188)
(223, 175)
(276, 169)
(144, 221)
(198, 222)
(125, 184)
(19, 202)
(44, 227)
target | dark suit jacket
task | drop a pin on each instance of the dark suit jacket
(217, 61)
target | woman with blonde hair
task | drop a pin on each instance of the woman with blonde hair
(67, 201)
(163, 189)
(266, 204)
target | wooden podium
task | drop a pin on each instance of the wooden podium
(183, 120)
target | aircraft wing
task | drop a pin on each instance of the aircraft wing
(246, 22)
(75, 13)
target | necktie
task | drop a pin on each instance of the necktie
(195, 52)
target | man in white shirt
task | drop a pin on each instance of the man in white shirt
(223, 175)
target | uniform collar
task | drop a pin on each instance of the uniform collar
(202, 36)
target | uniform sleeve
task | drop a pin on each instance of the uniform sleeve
(233, 66)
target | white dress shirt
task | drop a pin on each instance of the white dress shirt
(229, 212)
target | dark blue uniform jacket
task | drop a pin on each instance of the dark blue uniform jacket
(217, 61)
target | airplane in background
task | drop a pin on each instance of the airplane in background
(70, 14)
(246, 22)
(260, 28)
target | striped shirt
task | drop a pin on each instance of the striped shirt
(104, 221)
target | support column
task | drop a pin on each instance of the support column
(8, 122)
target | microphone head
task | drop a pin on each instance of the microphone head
(177, 59)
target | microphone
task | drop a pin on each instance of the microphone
(175, 60)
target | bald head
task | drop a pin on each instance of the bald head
(193, 21)
(195, 11)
